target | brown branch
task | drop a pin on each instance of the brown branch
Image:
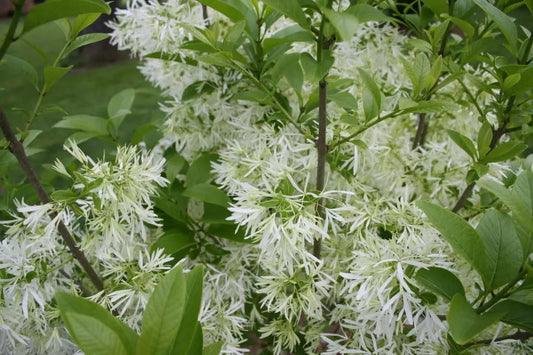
(10, 36)
(17, 149)
(322, 152)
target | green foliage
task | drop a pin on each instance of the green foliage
(168, 326)
(440, 281)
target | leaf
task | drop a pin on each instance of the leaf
(72, 304)
(200, 170)
(366, 13)
(464, 143)
(315, 71)
(344, 23)
(289, 67)
(174, 241)
(517, 314)
(511, 81)
(93, 336)
(220, 59)
(504, 151)
(440, 281)
(119, 107)
(228, 231)
(174, 166)
(462, 237)
(504, 22)
(464, 322)
(142, 131)
(517, 206)
(55, 9)
(213, 349)
(437, 6)
(83, 21)
(291, 9)
(465, 26)
(197, 343)
(189, 323)
(287, 35)
(371, 96)
(198, 88)
(344, 99)
(208, 193)
(163, 315)
(225, 9)
(53, 74)
(16, 64)
(503, 249)
(84, 123)
(432, 106)
(84, 40)
(484, 138)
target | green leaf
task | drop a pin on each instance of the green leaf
(55, 9)
(174, 241)
(432, 106)
(189, 323)
(517, 314)
(437, 6)
(174, 166)
(511, 81)
(84, 40)
(464, 143)
(503, 249)
(83, 21)
(462, 237)
(366, 13)
(484, 138)
(289, 34)
(198, 88)
(464, 322)
(197, 343)
(53, 74)
(109, 328)
(64, 195)
(228, 231)
(220, 59)
(208, 193)
(200, 170)
(344, 99)
(504, 151)
(291, 9)
(504, 22)
(344, 23)
(289, 67)
(142, 131)
(18, 65)
(119, 107)
(163, 315)
(315, 71)
(517, 206)
(225, 9)
(84, 123)
(440, 281)
(371, 96)
(524, 294)
(465, 26)
(213, 349)
(93, 336)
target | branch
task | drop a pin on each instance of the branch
(12, 28)
(516, 336)
(17, 149)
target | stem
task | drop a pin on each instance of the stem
(12, 28)
(205, 15)
(421, 129)
(17, 149)
(502, 293)
(516, 336)
(464, 196)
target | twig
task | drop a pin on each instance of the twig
(17, 149)
(516, 336)
(12, 28)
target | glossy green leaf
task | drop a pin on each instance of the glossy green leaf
(163, 315)
(518, 207)
(108, 327)
(208, 193)
(200, 170)
(344, 23)
(464, 322)
(197, 343)
(440, 281)
(83, 21)
(484, 138)
(197, 89)
(365, 13)
(55, 9)
(465, 26)
(84, 123)
(503, 21)
(462, 237)
(517, 314)
(18, 65)
(174, 165)
(92, 336)
(504, 151)
(464, 143)
(371, 96)
(175, 240)
(213, 349)
(344, 99)
(289, 34)
(189, 323)
(503, 249)
(315, 71)
(289, 67)
(53, 74)
(85, 40)
(291, 9)
(120, 106)
(225, 9)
